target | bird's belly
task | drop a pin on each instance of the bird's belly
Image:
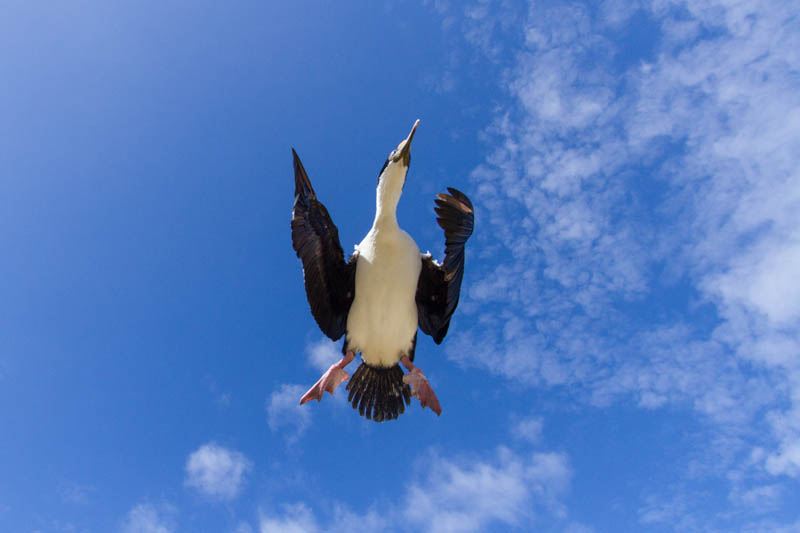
(383, 318)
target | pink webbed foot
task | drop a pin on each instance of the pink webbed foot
(331, 379)
(420, 388)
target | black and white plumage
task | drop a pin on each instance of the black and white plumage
(385, 291)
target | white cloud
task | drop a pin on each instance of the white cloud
(285, 414)
(147, 518)
(216, 471)
(323, 353)
(470, 494)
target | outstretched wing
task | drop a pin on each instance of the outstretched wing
(329, 281)
(440, 285)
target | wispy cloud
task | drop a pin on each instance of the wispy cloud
(243, 527)
(771, 526)
(469, 494)
(672, 512)
(762, 498)
(148, 518)
(285, 414)
(646, 202)
(216, 471)
(221, 398)
(455, 495)
(529, 429)
(503, 488)
(299, 517)
(76, 493)
(296, 518)
(323, 353)
(685, 166)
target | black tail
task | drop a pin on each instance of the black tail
(378, 393)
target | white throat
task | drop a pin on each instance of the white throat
(390, 187)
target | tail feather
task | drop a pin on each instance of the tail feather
(378, 393)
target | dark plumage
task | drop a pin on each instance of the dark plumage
(440, 285)
(329, 281)
(378, 393)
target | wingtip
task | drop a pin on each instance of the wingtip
(460, 196)
(455, 199)
(301, 181)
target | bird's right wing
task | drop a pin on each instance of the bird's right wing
(329, 281)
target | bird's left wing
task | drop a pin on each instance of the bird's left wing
(329, 281)
(439, 286)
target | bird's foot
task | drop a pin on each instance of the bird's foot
(420, 388)
(331, 379)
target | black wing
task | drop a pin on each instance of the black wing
(440, 285)
(329, 281)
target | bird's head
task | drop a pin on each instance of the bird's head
(394, 170)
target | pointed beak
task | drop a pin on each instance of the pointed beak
(406, 150)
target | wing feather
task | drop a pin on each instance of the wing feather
(439, 286)
(329, 280)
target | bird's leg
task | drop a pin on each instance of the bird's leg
(329, 380)
(420, 388)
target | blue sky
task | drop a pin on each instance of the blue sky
(626, 354)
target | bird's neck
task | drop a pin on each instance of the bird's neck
(390, 187)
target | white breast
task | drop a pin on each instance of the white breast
(383, 318)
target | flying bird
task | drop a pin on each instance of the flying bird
(385, 291)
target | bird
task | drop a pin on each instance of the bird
(384, 293)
